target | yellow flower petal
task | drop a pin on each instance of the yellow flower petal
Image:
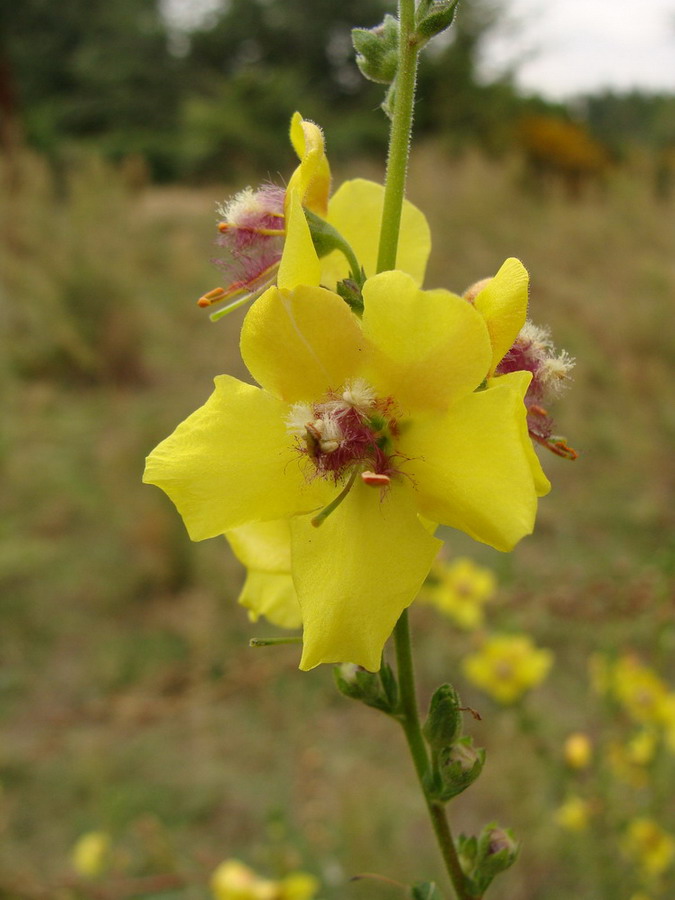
(355, 210)
(232, 462)
(357, 572)
(471, 466)
(312, 177)
(265, 549)
(273, 596)
(503, 303)
(430, 347)
(299, 262)
(299, 344)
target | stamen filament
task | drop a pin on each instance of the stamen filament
(327, 510)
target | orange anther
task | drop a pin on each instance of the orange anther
(211, 297)
(374, 479)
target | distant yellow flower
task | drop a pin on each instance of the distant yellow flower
(573, 814)
(578, 750)
(233, 880)
(507, 666)
(90, 853)
(460, 590)
(355, 418)
(299, 886)
(652, 848)
(639, 689)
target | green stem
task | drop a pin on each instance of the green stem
(399, 137)
(408, 716)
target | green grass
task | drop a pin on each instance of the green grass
(129, 698)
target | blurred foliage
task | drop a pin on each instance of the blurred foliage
(212, 97)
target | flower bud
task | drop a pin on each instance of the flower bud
(434, 16)
(376, 689)
(444, 722)
(459, 765)
(377, 50)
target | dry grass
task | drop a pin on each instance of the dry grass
(129, 699)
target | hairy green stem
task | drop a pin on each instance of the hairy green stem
(408, 716)
(399, 137)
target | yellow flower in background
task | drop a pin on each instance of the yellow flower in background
(650, 846)
(299, 886)
(578, 750)
(233, 880)
(507, 666)
(460, 590)
(667, 717)
(351, 430)
(639, 689)
(574, 814)
(90, 853)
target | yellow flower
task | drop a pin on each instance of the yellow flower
(577, 750)
(460, 591)
(90, 853)
(573, 814)
(299, 886)
(650, 846)
(639, 690)
(263, 233)
(378, 421)
(233, 880)
(507, 666)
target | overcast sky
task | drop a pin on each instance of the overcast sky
(574, 46)
(570, 46)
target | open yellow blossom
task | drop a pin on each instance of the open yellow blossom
(263, 233)
(507, 666)
(573, 814)
(652, 848)
(460, 590)
(370, 428)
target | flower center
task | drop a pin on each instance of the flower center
(351, 430)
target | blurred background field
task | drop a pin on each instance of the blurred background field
(129, 699)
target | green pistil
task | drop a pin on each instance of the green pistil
(327, 510)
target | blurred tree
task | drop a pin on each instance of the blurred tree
(93, 70)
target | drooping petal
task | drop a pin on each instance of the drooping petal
(265, 549)
(429, 347)
(233, 462)
(312, 177)
(355, 210)
(265, 546)
(503, 304)
(271, 595)
(299, 262)
(472, 467)
(299, 344)
(357, 572)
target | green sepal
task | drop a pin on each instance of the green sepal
(458, 767)
(425, 890)
(326, 238)
(351, 293)
(434, 16)
(376, 689)
(444, 721)
(377, 50)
